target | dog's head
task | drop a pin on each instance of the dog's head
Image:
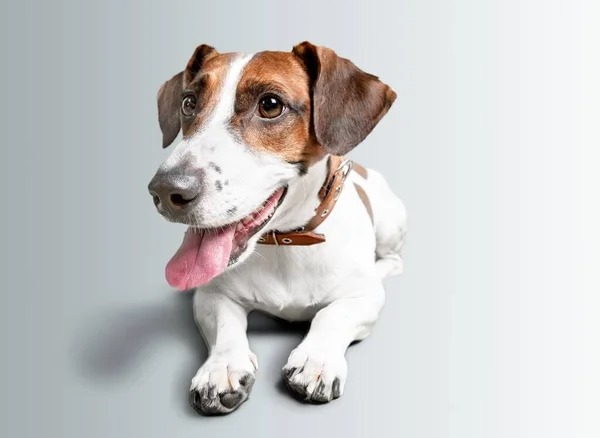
(251, 124)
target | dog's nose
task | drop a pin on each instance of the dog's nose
(174, 192)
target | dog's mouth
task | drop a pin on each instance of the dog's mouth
(206, 252)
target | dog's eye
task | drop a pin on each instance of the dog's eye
(188, 105)
(270, 107)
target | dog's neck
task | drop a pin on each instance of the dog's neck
(302, 198)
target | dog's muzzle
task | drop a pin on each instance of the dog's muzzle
(175, 192)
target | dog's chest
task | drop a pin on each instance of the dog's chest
(285, 282)
(293, 283)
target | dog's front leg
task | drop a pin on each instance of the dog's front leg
(225, 380)
(316, 370)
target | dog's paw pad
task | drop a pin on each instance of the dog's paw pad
(222, 384)
(315, 378)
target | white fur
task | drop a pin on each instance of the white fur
(337, 285)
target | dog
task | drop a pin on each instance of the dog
(279, 221)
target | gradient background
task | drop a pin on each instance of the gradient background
(493, 144)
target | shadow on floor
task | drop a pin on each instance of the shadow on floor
(111, 346)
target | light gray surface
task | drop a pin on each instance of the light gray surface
(492, 144)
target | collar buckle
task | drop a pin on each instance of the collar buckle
(344, 167)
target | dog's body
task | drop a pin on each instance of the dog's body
(336, 284)
(294, 283)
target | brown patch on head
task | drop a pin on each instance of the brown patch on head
(282, 75)
(206, 86)
(202, 78)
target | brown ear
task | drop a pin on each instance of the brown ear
(169, 94)
(169, 98)
(194, 65)
(347, 102)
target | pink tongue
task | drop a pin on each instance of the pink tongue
(201, 257)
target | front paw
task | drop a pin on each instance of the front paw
(315, 376)
(224, 382)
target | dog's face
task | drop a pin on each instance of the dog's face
(251, 124)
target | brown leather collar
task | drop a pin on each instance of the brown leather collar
(339, 168)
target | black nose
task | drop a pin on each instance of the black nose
(175, 192)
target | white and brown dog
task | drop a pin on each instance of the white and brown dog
(256, 178)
